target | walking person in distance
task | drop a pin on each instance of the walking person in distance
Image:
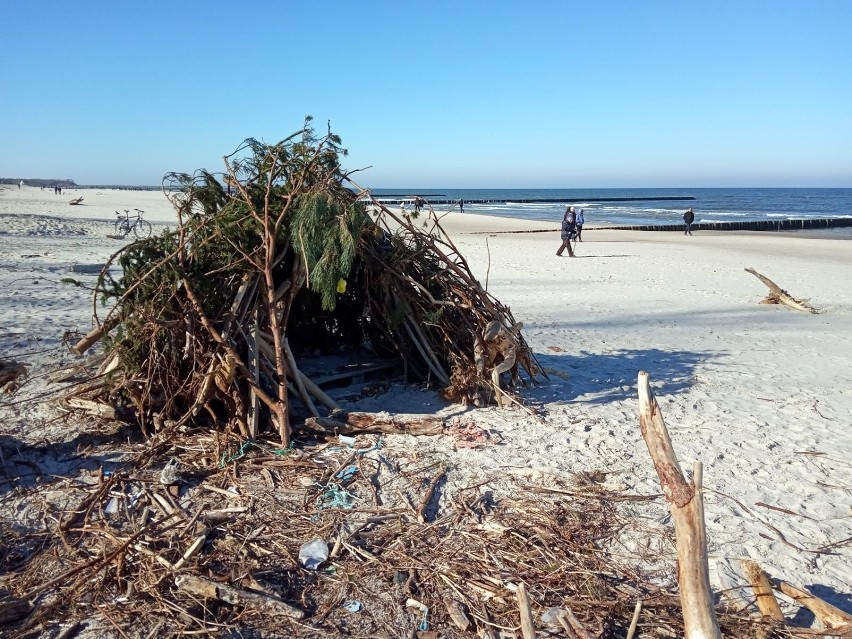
(688, 219)
(581, 219)
(569, 231)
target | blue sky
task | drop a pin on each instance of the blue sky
(436, 94)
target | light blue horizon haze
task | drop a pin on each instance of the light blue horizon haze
(436, 94)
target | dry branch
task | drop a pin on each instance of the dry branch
(777, 295)
(687, 508)
(527, 625)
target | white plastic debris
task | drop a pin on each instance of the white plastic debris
(313, 553)
(169, 474)
(346, 440)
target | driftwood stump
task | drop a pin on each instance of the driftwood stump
(778, 295)
(687, 507)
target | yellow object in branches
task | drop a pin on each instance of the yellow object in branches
(341, 285)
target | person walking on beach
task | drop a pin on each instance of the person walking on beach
(581, 219)
(569, 231)
(688, 219)
(461, 206)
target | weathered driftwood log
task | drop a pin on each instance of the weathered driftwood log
(764, 597)
(687, 508)
(778, 295)
(76, 201)
(355, 423)
(210, 590)
(830, 616)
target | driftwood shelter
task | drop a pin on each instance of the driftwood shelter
(207, 323)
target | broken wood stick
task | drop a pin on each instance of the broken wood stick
(765, 598)
(356, 423)
(427, 497)
(94, 336)
(457, 613)
(687, 508)
(527, 625)
(237, 596)
(778, 295)
(635, 621)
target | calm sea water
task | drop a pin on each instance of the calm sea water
(710, 205)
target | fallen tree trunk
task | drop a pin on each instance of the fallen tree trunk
(687, 508)
(778, 295)
(357, 423)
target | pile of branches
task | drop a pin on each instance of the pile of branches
(278, 257)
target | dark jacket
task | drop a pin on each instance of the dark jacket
(569, 227)
(689, 217)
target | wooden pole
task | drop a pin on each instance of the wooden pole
(687, 508)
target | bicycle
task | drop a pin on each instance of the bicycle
(124, 224)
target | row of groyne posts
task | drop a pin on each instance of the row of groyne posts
(749, 225)
(753, 225)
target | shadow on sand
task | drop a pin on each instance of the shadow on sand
(606, 377)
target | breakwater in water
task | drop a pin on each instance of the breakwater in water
(750, 225)
(559, 200)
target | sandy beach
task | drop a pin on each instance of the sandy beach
(762, 395)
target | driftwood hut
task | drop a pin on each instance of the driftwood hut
(208, 322)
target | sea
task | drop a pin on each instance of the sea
(709, 204)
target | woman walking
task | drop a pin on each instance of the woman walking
(569, 231)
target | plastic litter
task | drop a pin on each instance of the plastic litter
(169, 474)
(551, 615)
(351, 606)
(313, 553)
(345, 439)
(346, 474)
(112, 506)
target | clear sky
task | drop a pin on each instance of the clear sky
(436, 94)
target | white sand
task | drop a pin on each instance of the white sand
(762, 395)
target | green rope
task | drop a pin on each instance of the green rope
(246, 446)
(333, 496)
